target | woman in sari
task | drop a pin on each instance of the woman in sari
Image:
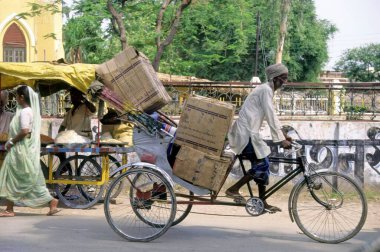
(21, 177)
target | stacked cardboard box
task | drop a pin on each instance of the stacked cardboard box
(200, 168)
(204, 124)
(201, 133)
(131, 76)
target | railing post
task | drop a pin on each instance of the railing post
(335, 99)
(292, 103)
(373, 104)
(330, 103)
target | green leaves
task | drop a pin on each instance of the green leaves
(361, 64)
(215, 39)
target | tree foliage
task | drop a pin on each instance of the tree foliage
(217, 40)
(361, 64)
(306, 45)
(85, 40)
(214, 39)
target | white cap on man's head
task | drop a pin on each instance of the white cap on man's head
(275, 70)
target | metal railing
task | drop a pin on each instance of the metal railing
(354, 100)
(54, 105)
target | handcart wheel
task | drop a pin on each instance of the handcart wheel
(114, 164)
(331, 208)
(80, 195)
(56, 162)
(254, 206)
(144, 209)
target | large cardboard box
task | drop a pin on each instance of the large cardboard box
(131, 76)
(204, 124)
(200, 168)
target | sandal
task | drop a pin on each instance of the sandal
(271, 209)
(54, 211)
(236, 197)
(7, 214)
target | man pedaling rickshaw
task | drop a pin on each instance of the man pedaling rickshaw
(244, 137)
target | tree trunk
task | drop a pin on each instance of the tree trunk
(173, 30)
(257, 43)
(285, 7)
(117, 19)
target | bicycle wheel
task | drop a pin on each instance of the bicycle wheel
(142, 201)
(57, 159)
(81, 195)
(139, 213)
(184, 204)
(332, 210)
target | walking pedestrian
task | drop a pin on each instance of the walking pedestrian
(21, 177)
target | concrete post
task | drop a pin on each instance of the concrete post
(336, 103)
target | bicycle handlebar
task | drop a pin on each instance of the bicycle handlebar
(297, 146)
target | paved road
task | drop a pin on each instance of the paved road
(87, 230)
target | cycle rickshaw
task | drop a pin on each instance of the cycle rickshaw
(327, 206)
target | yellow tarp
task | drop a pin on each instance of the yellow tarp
(47, 75)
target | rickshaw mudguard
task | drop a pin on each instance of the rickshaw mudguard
(290, 204)
(147, 166)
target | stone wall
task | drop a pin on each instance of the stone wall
(347, 146)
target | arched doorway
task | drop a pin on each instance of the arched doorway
(14, 44)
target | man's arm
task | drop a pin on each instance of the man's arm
(273, 122)
(286, 135)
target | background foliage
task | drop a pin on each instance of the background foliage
(361, 64)
(216, 39)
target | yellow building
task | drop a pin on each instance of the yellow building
(24, 40)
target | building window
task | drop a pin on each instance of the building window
(14, 54)
(14, 44)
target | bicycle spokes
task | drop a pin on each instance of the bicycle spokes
(326, 192)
